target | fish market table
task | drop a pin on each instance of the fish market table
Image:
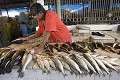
(33, 72)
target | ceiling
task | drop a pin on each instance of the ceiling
(8, 4)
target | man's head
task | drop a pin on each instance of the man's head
(37, 11)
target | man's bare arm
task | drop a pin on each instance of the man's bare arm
(46, 35)
(33, 36)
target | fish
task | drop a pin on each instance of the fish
(100, 63)
(25, 61)
(89, 65)
(66, 66)
(107, 48)
(16, 58)
(4, 53)
(108, 65)
(51, 48)
(17, 41)
(94, 44)
(81, 62)
(52, 63)
(91, 47)
(41, 64)
(100, 45)
(93, 62)
(47, 65)
(35, 66)
(109, 44)
(72, 63)
(114, 63)
(78, 47)
(67, 46)
(6, 61)
(59, 65)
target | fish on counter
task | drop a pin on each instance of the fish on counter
(7, 59)
(72, 63)
(16, 59)
(27, 57)
(93, 62)
(59, 65)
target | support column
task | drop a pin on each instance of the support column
(58, 8)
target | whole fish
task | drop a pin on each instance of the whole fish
(52, 64)
(25, 61)
(47, 65)
(113, 63)
(16, 58)
(100, 63)
(6, 61)
(81, 62)
(59, 65)
(4, 53)
(89, 65)
(66, 66)
(72, 63)
(108, 65)
(93, 62)
(41, 64)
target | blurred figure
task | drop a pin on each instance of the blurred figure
(24, 29)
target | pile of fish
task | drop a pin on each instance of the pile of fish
(78, 58)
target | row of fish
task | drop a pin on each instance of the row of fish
(85, 47)
(75, 63)
(10, 58)
(57, 57)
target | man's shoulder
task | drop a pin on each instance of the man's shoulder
(50, 12)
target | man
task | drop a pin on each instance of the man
(50, 26)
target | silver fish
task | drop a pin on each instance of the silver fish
(25, 61)
(89, 65)
(66, 66)
(72, 63)
(81, 62)
(102, 65)
(109, 65)
(59, 65)
(93, 62)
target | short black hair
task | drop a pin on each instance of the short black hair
(36, 8)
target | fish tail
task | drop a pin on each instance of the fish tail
(21, 75)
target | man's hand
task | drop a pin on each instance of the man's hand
(36, 50)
